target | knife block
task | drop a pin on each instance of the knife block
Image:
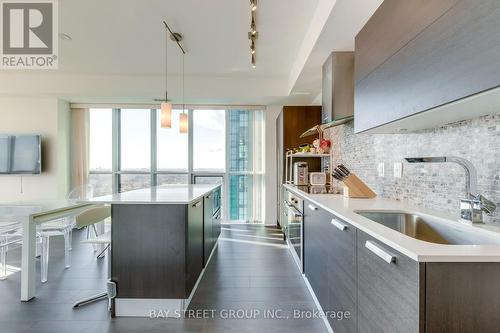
(356, 188)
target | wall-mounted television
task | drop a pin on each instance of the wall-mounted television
(20, 154)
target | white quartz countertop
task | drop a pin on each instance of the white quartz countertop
(422, 251)
(165, 194)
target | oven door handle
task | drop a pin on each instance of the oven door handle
(295, 212)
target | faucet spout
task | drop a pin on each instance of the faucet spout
(471, 208)
(470, 170)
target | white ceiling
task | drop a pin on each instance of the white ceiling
(117, 50)
(128, 36)
(345, 21)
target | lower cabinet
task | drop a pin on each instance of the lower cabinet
(388, 288)
(360, 290)
(194, 246)
(316, 251)
(211, 225)
(385, 291)
(208, 234)
(342, 278)
(330, 265)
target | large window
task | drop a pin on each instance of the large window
(245, 158)
(101, 151)
(135, 140)
(172, 147)
(209, 140)
(130, 150)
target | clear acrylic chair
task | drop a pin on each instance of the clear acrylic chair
(90, 217)
(58, 227)
(10, 234)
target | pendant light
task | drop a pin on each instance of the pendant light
(166, 106)
(183, 117)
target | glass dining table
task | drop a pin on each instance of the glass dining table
(29, 214)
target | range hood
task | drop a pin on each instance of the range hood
(338, 87)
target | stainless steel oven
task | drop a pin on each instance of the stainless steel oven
(294, 207)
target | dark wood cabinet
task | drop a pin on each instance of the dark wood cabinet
(290, 124)
(391, 27)
(330, 264)
(345, 275)
(337, 86)
(414, 55)
(462, 297)
(388, 292)
(194, 250)
(211, 224)
(316, 251)
(148, 256)
(342, 270)
(385, 291)
(216, 219)
(208, 228)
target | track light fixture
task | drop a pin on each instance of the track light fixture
(253, 34)
(253, 5)
(253, 27)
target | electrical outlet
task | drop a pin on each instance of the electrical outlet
(381, 169)
(398, 170)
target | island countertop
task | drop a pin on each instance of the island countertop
(165, 194)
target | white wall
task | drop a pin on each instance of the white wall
(271, 189)
(49, 118)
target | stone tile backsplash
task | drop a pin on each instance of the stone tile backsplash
(434, 186)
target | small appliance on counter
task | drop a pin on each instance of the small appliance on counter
(316, 189)
(317, 178)
(300, 173)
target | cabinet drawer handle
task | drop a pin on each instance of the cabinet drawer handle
(339, 225)
(380, 252)
(197, 204)
(311, 207)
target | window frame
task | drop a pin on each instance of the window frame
(116, 171)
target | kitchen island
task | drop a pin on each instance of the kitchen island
(162, 238)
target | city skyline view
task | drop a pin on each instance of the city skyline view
(134, 169)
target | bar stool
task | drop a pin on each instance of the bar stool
(86, 219)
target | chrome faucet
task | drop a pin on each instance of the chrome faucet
(473, 206)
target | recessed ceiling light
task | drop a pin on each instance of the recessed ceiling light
(65, 36)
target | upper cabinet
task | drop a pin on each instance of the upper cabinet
(338, 86)
(419, 55)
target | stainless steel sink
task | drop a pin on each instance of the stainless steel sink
(429, 229)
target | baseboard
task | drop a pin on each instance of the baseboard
(318, 306)
(188, 300)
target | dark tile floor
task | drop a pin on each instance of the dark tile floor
(251, 277)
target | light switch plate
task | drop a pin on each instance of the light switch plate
(381, 169)
(398, 170)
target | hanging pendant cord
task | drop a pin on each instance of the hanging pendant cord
(183, 85)
(166, 66)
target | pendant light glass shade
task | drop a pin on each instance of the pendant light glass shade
(183, 123)
(166, 115)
